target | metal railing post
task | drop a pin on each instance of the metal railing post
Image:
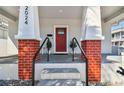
(73, 54)
(86, 60)
(33, 62)
(86, 72)
(48, 55)
(72, 50)
(33, 72)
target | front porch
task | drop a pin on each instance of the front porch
(88, 26)
(109, 75)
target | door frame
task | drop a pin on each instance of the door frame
(60, 26)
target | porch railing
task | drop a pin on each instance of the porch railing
(34, 58)
(74, 40)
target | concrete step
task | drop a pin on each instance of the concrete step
(60, 73)
(61, 82)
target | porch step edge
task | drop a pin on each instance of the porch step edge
(60, 73)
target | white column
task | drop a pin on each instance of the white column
(91, 30)
(28, 23)
(92, 25)
(106, 43)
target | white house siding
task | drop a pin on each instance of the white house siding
(74, 30)
(11, 41)
(3, 47)
(9, 46)
(106, 43)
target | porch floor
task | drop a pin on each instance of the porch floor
(60, 58)
(43, 59)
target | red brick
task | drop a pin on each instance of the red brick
(26, 51)
(92, 49)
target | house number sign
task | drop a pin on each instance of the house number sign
(26, 14)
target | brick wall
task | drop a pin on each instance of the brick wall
(92, 49)
(26, 51)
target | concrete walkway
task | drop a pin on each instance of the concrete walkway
(62, 82)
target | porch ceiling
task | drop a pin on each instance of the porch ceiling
(65, 11)
(109, 12)
(12, 10)
(61, 12)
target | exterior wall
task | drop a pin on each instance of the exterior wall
(74, 30)
(106, 43)
(46, 27)
(12, 48)
(3, 47)
(9, 46)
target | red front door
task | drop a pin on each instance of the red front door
(61, 40)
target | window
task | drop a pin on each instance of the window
(117, 33)
(3, 28)
(122, 34)
(112, 35)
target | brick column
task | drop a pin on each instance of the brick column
(92, 49)
(26, 52)
(28, 40)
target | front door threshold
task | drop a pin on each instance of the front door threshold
(60, 53)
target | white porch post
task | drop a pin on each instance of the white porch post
(28, 39)
(106, 43)
(91, 41)
(28, 23)
(92, 24)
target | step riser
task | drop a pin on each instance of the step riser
(79, 66)
(61, 76)
(60, 73)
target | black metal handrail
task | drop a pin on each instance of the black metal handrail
(34, 58)
(38, 51)
(85, 57)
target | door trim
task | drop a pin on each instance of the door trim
(60, 26)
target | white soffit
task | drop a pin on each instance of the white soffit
(12, 10)
(109, 12)
(69, 12)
